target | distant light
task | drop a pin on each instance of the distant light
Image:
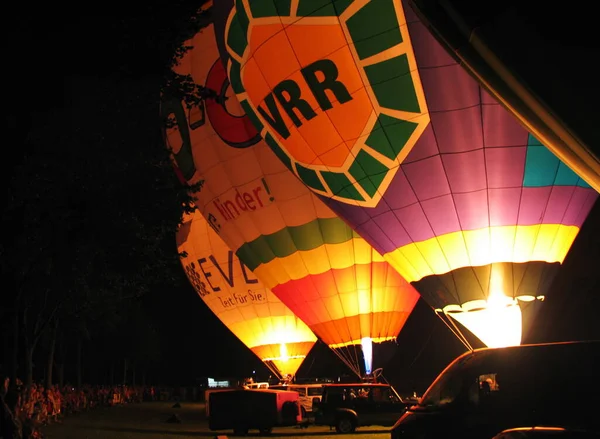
(253, 371)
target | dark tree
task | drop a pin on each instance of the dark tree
(90, 199)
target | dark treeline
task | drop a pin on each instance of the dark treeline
(90, 202)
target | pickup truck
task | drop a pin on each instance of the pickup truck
(348, 406)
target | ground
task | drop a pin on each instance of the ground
(148, 421)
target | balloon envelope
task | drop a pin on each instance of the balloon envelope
(368, 110)
(299, 248)
(251, 311)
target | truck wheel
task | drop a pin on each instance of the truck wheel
(345, 425)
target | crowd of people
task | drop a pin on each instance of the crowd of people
(25, 410)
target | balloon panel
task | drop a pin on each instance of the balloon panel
(298, 247)
(398, 139)
(251, 311)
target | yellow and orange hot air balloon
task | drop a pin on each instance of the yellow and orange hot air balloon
(365, 107)
(251, 311)
(343, 289)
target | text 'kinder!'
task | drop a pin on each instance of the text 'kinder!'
(243, 199)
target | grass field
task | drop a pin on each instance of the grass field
(148, 421)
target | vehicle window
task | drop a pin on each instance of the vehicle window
(351, 393)
(444, 391)
(483, 389)
(450, 391)
(380, 394)
(488, 382)
(383, 394)
(452, 372)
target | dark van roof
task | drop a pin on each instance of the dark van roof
(540, 349)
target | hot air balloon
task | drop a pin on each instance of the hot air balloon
(365, 107)
(331, 278)
(251, 311)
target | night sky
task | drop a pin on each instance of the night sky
(50, 53)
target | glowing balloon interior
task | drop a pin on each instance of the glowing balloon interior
(363, 105)
(330, 277)
(251, 311)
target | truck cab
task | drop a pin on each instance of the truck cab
(349, 406)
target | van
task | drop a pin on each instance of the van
(347, 406)
(486, 391)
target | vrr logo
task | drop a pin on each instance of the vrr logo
(332, 87)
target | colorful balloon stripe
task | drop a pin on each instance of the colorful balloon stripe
(370, 302)
(441, 199)
(356, 328)
(469, 212)
(290, 240)
(444, 253)
(358, 289)
(330, 256)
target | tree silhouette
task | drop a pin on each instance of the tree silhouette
(91, 200)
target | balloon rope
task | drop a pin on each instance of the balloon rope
(346, 361)
(464, 339)
(356, 357)
(352, 356)
(455, 330)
